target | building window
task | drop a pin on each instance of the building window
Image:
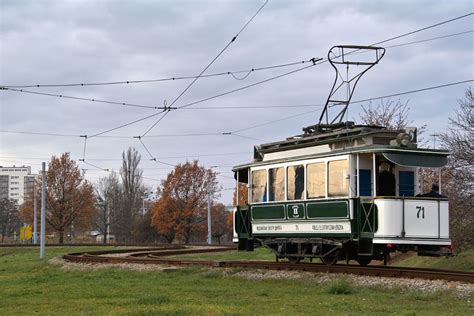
(338, 178)
(15, 189)
(259, 186)
(316, 180)
(295, 182)
(276, 178)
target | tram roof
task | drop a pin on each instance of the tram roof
(351, 139)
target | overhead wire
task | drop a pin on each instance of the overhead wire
(85, 99)
(253, 126)
(219, 54)
(208, 65)
(176, 78)
(120, 159)
(15, 88)
(358, 101)
(320, 61)
(126, 124)
(365, 100)
(424, 28)
(152, 157)
(315, 62)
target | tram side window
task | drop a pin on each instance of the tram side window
(365, 182)
(406, 183)
(295, 183)
(337, 178)
(316, 180)
(259, 186)
(277, 184)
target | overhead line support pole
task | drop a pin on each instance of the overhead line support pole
(35, 215)
(209, 225)
(43, 210)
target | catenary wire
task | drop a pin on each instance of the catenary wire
(207, 67)
(358, 101)
(176, 78)
(322, 61)
(120, 159)
(423, 29)
(153, 158)
(85, 99)
(247, 128)
(14, 88)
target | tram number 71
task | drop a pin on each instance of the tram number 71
(421, 209)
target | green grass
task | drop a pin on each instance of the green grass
(464, 261)
(29, 285)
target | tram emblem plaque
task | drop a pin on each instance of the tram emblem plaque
(295, 211)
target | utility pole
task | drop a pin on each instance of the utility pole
(43, 210)
(209, 228)
(35, 218)
(106, 235)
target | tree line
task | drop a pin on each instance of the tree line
(121, 206)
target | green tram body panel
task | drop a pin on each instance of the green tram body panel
(308, 219)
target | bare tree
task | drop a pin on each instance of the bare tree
(459, 139)
(132, 191)
(108, 191)
(8, 217)
(390, 114)
(460, 135)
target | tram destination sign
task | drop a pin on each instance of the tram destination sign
(302, 228)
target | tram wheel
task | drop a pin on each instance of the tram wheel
(294, 260)
(364, 261)
(330, 259)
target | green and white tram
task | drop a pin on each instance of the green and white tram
(346, 193)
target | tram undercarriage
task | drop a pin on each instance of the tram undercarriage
(330, 251)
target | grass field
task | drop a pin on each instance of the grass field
(463, 261)
(29, 285)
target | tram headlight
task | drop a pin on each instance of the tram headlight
(403, 139)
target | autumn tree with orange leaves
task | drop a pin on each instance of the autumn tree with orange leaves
(70, 199)
(243, 195)
(221, 226)
(182, 206)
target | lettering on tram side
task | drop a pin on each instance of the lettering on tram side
(269, 228)
(421, 209)
(327, 227)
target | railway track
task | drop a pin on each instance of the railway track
(161, 256)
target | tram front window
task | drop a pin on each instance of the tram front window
(259, 186)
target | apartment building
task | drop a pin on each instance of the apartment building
(16, 182)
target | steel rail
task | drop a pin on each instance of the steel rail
(156, 256)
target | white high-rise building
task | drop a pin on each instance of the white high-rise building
(16, 182)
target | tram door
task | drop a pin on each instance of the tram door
(385, 178)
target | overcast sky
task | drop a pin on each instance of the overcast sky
(58, 42)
